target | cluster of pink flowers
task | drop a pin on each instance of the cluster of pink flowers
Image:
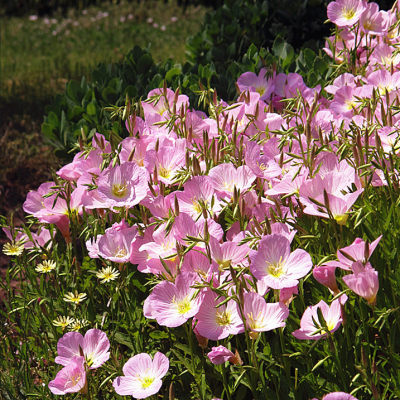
(184, 172)
(78, 354)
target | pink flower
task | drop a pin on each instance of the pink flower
(94, 346)
(311, 327)
(345, 12)
(173, 304)
(274, 262)
(70, 379)
(325, 275)
(338, 396)
(262, 316)
(142, 375)
(123, 185)
(364, 281)
(218, 323)
(220, 354)
(256, 83)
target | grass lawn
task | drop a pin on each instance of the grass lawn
(38, 55)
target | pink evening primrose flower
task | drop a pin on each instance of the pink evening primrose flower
(94, 346)
(364, 281)
(219, 355)
(172, 304)
(274, 263)
(142, 375)
(262, 316)
(70, 379)
(256, 83)
(345, 12)
(310, 325)
(217, 323)
(123, 185)
(338, 396)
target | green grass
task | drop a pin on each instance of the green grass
(40, 55)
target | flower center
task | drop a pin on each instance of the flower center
(276, 269)
(260, 90)
(223, 318)
(146, 381)
(164, 173)
(349, 13)
(119, 190)
(184, 306)
(120, 253)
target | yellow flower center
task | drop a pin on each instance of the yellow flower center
(120, 253)
(75, 378)
(146, 381)
(260, 90)
(223, 318)
(184, 306)
(276, 269)
(119, 190)
(349, 13)
(341, 219)
(164, 173)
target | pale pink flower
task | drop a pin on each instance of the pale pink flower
(217, 323)
(142, 375)
(226, 177)
(363, 281)
(274, 262)
(359, 250)
(123, 185)
(70, 379)
(256, 83)
(94, 346)
(311, 327)
(198, 195)
(345, 12)
(373, 21)
(228, 253)
(262, 316)
(172, 304)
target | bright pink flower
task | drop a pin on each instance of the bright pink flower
(218, 323)
(262, 316)
(220, 354)
(142, 375)
(274, 262)
(70, 379)
(94, 346)
(364, 281)
(172, 304)
(345, 12)
(310, 325)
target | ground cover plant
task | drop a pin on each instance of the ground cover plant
(245, 251)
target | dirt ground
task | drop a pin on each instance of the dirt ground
(25, 162)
